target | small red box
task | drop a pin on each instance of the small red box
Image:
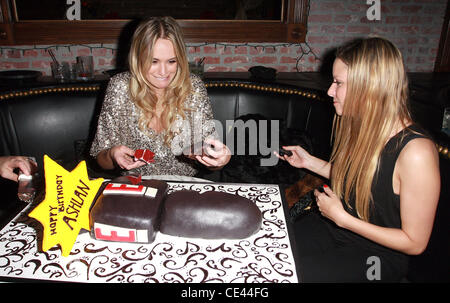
(145, 155)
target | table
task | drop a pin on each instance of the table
(176, 178)
(267, 256)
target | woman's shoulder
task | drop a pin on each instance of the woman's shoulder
(119, 81)
(196, 82)
(418, 149)
(118, 88)
(418, 165)
(198, 94)
(404, 136)
(120, 78)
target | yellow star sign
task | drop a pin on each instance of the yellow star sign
(65, 209)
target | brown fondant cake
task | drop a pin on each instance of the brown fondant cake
(128, 210)
(211, 215)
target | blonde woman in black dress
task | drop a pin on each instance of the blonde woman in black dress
(384, 173)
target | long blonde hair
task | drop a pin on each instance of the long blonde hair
(140, 59)
(375, 102)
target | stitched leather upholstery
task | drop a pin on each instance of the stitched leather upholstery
(48, 121)
(61, 120)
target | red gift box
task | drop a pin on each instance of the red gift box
(145, 155)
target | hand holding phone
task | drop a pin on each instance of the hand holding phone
(198, 149)
(283, 152)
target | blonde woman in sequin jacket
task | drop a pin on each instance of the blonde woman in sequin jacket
(157, 105)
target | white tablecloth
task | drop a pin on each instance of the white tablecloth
(264, 257)
(175, 178)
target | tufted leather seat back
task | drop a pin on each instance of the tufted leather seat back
(60, 121)
(51, 120)
(299, 108)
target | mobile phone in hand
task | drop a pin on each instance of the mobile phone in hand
(283, 152)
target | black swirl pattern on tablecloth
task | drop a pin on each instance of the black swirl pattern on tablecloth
(263, 257)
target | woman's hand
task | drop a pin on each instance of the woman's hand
(123, 157)
(299, 157)
(217, 154)
(9, 163)
(330, 206)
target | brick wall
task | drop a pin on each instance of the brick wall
(413, 25)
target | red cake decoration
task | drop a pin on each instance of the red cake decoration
(134, 179)
(129, 189)
(119, 234)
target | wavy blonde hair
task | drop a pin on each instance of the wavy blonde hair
(375, 104)
(140, 59)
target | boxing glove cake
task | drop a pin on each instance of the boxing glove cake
(210, 215)
(128, 210)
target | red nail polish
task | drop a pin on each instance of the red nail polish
(325, 185)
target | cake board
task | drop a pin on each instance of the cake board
(265, 257)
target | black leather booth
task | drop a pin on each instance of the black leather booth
(48, 120)
(60, 120)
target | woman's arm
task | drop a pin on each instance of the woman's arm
(419, 185)
(107, 144)
(417, 180)
(300, 158)
(104, 159)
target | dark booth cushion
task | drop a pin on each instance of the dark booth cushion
(50, 121)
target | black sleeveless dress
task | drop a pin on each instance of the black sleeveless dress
(327, 253)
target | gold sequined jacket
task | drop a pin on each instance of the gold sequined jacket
(118, 125)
